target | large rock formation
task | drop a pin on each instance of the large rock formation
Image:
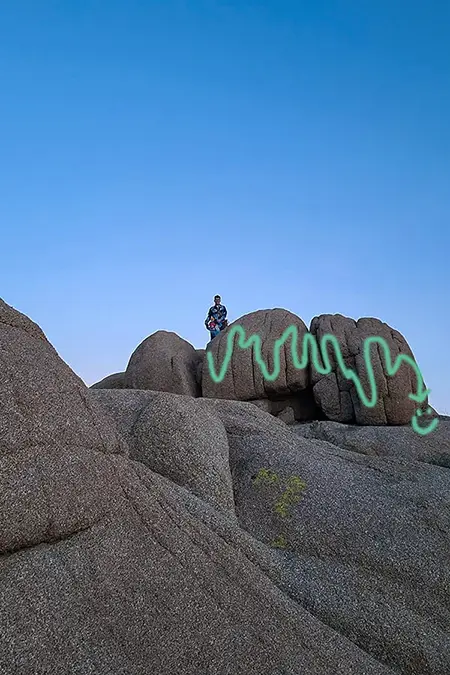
(337, 396)
(109, 567)
(367, 548)
(244, 379)
(364, 550)
(172, 436)
(164, 362)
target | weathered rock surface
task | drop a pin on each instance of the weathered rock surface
(244, 380)
(338, 398)
(368, 546)
(108, 567)
(396, 442)
(163, 362)
(172, 436)
(32, 409)
(115, 381)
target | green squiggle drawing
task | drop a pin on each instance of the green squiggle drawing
(310, 350)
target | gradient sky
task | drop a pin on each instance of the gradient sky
(283, 154)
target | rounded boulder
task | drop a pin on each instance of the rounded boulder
(338, 397)
(163, 362)
(244, 379)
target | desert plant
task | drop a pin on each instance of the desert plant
(291, 496)
(266, 476)
(280, 542)
(293, 493)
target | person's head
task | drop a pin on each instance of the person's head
(217, 299)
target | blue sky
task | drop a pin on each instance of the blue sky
(283, 154)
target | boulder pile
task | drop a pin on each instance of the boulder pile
(166, 362)
(158, 532)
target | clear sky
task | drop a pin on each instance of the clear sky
(281, 153)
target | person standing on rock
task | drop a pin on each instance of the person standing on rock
(216, 320)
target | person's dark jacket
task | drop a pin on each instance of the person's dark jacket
(218, 315)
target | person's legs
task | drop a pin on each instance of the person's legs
(214, 332)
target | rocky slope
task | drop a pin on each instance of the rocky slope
(153, 532)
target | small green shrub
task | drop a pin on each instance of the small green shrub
(266, 476)
(280, 542)
(291, 496)
(293, 493)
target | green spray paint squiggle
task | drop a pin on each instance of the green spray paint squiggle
(310, 346)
